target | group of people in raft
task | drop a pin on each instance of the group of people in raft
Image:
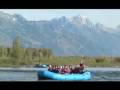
(67, 68)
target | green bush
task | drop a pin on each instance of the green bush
(100, 60)
(117, 59)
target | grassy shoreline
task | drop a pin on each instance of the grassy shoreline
(71, 60)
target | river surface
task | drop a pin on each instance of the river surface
(30, 74)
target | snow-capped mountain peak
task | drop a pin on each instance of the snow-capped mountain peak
(18, 17)
(65, 36)
(84, 19)
(99, 25)
(80, 19)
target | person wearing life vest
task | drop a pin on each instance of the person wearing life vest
(57, 69)
(53, 68)
(71, 69)
(62, 70)
(67, 69)
(76, 69)
(50, 68)
(82, 66)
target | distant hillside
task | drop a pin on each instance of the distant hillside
(65, 36)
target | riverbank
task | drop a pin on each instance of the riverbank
(70, 60)
(17, 56)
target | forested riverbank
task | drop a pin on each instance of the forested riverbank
(17, 56)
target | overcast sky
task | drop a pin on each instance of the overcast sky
(108, 17)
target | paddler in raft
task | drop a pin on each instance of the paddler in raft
(67, 69)
(82, 66)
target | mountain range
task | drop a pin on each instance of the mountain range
(65, 36)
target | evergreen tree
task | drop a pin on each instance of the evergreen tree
(27, 57)
(1, 51)
(40, 56)
(17, 50)
(49, 53)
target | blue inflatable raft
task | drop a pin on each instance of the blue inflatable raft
(56, 76)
